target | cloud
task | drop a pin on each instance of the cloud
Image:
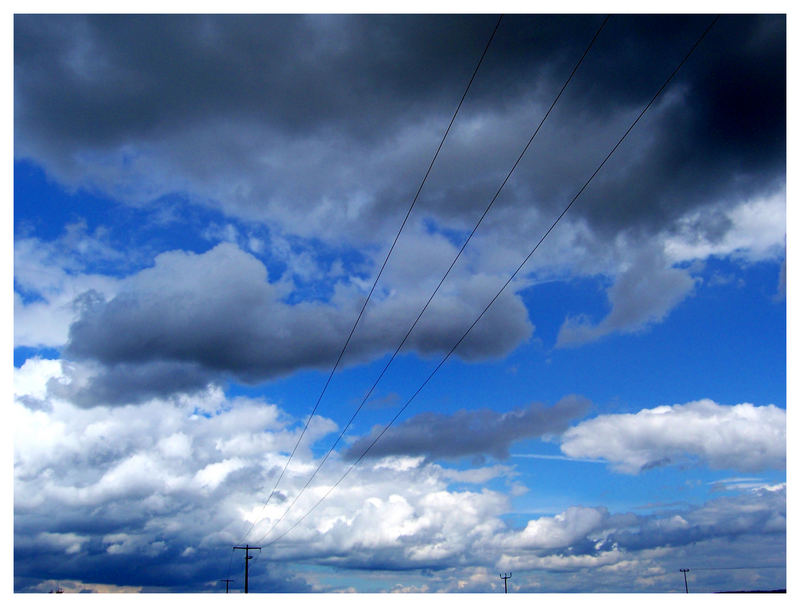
(49, 277)
(739, 437)
(318, 147)
(759, 511)
(643, 294)
(582, 538)
(89, 384)
(300, 139)
(128, 492)
(70, 543)
(344, 108)
(559, 531)
(780, 295)
(194, 319)
(756, 230)
(470, 432)
(69, 586)
(323, 142)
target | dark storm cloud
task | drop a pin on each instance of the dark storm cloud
(168, 570)
(95, 85)
(298, 72)
(122, 383)
(725, 138)
(473, 432)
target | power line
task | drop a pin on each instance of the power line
(441, 282)
(380, 272)
(497, 295)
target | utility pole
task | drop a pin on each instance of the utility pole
(685, 583)
(247, 548)
(226, 584)
(504, 577)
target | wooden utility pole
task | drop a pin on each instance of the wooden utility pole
(504, 577)
(685, 583)
(226, 584)
(247, 548)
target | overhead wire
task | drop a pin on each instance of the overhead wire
(444, 277)
(377, 278)
(505, 285)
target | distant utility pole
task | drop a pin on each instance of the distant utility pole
(226, 584)
(504, 577)
(247, 548)
(685, 583)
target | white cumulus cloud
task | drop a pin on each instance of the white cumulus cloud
(740, 437)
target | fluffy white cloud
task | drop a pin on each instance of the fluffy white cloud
(117, 486)
(559, 531)
(48, 278)
(757, 230)
(740, 437)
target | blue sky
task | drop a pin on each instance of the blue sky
(201, 205)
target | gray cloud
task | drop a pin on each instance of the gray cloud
(122, 383)
(780, 294)
(471, 432)
(581, 539)
(761, 511)
(642, 294)
(269, 116)
(192, 319)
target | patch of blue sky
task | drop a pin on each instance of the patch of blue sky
(723, 342)
(594, 485)
(550, 302)
(323, 267)
(454, 237)
(23, 353)
(27, 296)
(43, 209)
(202, 413)
(688, 356)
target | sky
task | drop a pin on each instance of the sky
(202, 205)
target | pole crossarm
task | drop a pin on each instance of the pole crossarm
(685, 583)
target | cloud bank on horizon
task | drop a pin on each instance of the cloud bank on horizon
(155, 488)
